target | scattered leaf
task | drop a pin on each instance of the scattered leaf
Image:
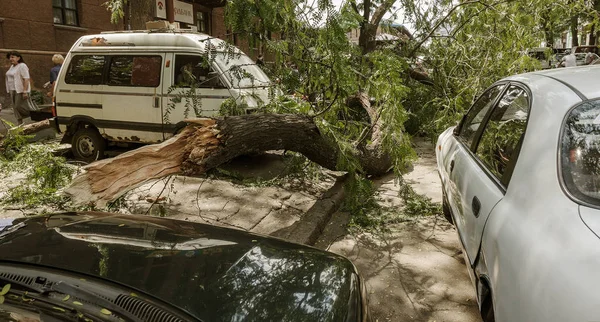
(133, 294)
(5, 289)
(105, 311)
(255, 241)
(66, 298)
(77, 303)
(59, 309)
(121, 225)
(1, 299)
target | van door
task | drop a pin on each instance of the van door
(79, 88)
(132, 98)
(196, 90)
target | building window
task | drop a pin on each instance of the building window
(202, 21)
(65, 12)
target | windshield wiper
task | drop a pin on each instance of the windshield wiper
(43, 292)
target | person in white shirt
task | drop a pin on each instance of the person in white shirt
(18, 85)
(569, 60)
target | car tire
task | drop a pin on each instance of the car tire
(446, 211)
(88, 145)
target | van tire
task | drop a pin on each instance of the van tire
(88, 145)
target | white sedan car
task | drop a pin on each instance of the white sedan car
(521, 182)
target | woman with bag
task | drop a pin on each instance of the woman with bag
(18, 84)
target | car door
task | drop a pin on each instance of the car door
(483, 166)
(196, 89)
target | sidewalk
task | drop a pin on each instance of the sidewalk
(416, 271)
(297, 212)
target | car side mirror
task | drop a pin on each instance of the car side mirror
(456, 131)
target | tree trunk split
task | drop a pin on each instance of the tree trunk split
(208, 143)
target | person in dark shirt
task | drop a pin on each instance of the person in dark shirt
(58, 61)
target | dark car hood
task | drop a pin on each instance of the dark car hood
(214, 273)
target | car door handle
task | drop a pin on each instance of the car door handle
(476, 206)
(451, 165)
(156, 102)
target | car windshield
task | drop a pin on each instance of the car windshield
(580, 152)
(241, 71)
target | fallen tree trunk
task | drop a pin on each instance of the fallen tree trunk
(208, 143)
(32, 128)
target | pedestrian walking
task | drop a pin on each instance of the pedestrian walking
(18, 85)
(58, 61)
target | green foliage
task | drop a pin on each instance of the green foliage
(230, 107)
(13, 142)
(37, 97)
(116, 9)
(46, 174)
(368, 213)
(192, 102)
(417, 205)
(485, 42)
(361, 203)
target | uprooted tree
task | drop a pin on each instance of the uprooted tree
(356, 97)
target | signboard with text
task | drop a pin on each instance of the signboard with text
(184, 12)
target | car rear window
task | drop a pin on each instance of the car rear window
(580, 152)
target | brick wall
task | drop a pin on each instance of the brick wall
(28, 27)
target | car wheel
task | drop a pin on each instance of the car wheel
(88, 145)
(446, 210)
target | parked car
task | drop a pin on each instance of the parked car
(586, 48)
(521, 182)
(111, 267)
(134, 87)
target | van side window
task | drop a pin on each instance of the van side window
(141, 71)
(85, 70)
(195, 70)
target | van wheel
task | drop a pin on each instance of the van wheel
(88, 145)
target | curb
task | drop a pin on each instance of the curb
(311, 226)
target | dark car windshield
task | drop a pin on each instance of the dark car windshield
(580, 152)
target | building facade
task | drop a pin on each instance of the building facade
(38, 29)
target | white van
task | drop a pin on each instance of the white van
(135, 86)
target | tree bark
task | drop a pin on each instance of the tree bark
(208, 143)
(369, 25)
(574, 35)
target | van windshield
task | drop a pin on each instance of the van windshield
(241, 71)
